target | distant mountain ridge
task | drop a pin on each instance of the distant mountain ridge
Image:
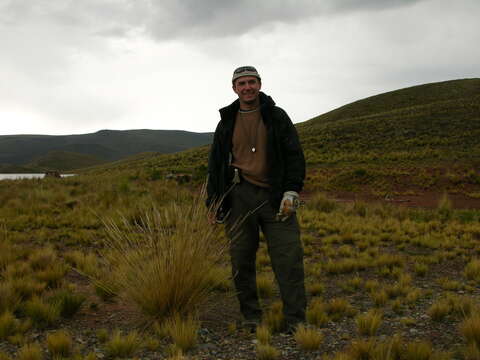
(67, 152)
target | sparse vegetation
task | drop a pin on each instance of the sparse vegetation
(419, 267)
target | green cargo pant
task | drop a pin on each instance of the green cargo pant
(284, 248)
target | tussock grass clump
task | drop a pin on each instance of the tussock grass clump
(41, 313)
(470, 329)
(8, 325)
(27, 287)
(42, 258)
(265, 287)
(308, 338)
(338, 308)
(320, 203)
(52, 275)
(420, 269)
(102, 335)
(182, 331)
(4, 356)
(30, 352)
(60, 344)
(68, 303)
(472, 270)
(420, 350)
(368, 323)
(317, 313)
(84, 263)
(439, 310)
(164, 262)
(220, 278)
(9, 298)
(263, 334)
(267, 352)
(471, 352)
(315, 289)
(123, 345)
(273, 317)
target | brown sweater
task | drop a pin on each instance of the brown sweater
(250, 133)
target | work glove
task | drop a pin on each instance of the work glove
(288, 206)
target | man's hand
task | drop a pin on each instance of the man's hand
(288, 206)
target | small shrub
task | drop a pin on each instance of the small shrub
(123, 346)
(267, 352)
(368, 323)
(60, 344)
(308, 338)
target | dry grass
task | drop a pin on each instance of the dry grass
(123, 345)
(470, 329)
(60, 344)
(308, 338)
(164, 263)
(30, 352)
(368, 323)
(267, 352)
(182, 331)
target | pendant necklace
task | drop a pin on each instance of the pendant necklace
(254, 144)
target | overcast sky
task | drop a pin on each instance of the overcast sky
(79, 66)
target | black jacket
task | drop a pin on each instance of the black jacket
(284, 153)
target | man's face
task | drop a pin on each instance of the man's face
(247, 88)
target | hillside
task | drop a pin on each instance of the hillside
(432, 122)
(64, 160)
(104, 145)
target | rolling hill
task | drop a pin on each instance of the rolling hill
(422, 137)
(106, 145)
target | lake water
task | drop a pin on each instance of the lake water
(26, 176)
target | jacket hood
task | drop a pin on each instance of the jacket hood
(265, 101)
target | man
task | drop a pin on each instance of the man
(256, 170)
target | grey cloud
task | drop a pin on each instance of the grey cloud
(180, 18)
